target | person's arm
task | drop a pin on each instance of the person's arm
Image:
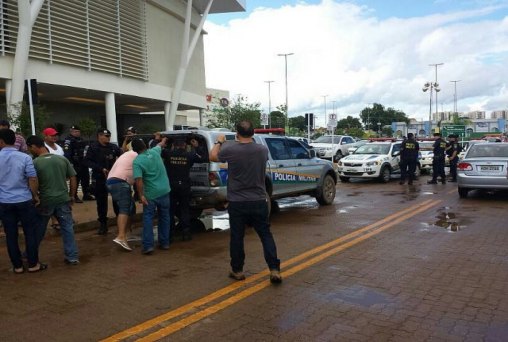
(214, 152)
(73, 188)
(141, 193)
(33, 183)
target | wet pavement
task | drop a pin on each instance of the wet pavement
(385, 262)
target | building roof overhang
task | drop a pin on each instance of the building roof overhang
(220, 6)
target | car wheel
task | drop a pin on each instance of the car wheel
(385, 174)
(344, 179)
(463, 192)
(326, 194)
(338, 156)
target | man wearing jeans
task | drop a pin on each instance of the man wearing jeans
(53, 171)
(153, 188)
(18, 194)
(246, 194)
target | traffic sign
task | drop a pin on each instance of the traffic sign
(459, 130)
(332, 117)
(264, 119)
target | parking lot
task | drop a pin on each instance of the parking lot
(383, 262)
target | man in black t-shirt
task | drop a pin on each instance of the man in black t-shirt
(453, 155)
(246, 194)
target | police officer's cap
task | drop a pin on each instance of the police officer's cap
(75, 127)
(104, 131)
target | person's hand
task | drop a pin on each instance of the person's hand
(36, 200)
(143, 200)
(221, 138)
(105, 172)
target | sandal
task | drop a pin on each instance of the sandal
(18, 270)
(42, 267)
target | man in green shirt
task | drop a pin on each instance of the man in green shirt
(153, 188)
(53, 171)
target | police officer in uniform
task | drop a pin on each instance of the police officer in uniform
(74, 150)
(178, 163)
(438, 162)
(100, 157)
(452, 152)
(408, 159)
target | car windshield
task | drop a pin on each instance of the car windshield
(488, 150)
(358, 144)
(373, 149)
(327, 139)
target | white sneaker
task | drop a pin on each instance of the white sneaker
(123, 244)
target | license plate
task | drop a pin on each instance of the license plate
(351, 170)
(489, 168)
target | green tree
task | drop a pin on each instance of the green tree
(23, 121)
(298, 123)
(277, 119)
(378, 114)
(239, 109)
(88, 127)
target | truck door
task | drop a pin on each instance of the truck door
(307, 173)
(281, 167)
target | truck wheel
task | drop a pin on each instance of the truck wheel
(338, 156)
(197, 225)
(385, 174)
(344, 179)
(326, 194)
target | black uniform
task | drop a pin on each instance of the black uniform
(99, 157)
(74, 151)
(438, 162)
(408, 159)
(178, 163)
(454, 147)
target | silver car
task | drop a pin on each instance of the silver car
(485, 166)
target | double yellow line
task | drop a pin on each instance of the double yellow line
(307, 259)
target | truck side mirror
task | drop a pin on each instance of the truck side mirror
(312, 153)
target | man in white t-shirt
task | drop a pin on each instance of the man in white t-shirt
(50, 139)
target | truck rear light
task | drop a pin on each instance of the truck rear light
(213, 179)
(465, 167)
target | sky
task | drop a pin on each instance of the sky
(351, 54)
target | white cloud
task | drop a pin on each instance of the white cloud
(342, 51)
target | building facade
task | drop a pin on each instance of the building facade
(111, 60)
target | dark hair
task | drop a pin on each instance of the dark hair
(138, 145)
(8, 136)
(245, 128)
(410, 135)
(5, 123)
(35, 140)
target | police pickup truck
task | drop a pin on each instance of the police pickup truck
(291, 170)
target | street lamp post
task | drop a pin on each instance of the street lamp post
(455, 97)
(326, 119)
(286, 125)
(269, 103)
(432, 87)
(379, 128)
(435, 65)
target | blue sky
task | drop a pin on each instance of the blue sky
(359, 52)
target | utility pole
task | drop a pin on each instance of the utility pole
(455, 97)
(269, 103)
(286, 80)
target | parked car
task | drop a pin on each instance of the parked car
(292, 170)
(426, 155)
(376, 160)
(484, 167)
(352, 148)
(336, 146)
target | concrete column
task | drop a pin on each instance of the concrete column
(111, 117)
(8, 89)
(201, 119)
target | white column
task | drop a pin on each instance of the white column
(8, 89)
(28, 13)
(111, 116)
(185, 57)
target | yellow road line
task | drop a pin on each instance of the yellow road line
(174, 327)
(237, 285)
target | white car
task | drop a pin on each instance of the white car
(426, 155)
(336, 146)
(378, 159)
(352, 148)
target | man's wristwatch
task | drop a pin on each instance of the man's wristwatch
(219, 142)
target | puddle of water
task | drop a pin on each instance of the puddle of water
(449, 220)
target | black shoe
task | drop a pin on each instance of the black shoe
(88, 197)
(432, 182)
(103, 229)
(77, 200)
(71, 262)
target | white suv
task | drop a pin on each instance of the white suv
(379, 159)
(336, 146)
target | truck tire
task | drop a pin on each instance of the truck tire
(326, 193)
